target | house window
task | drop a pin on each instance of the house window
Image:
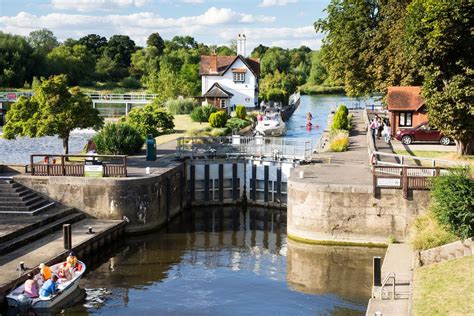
(239, 76)
(405, 119)
(223, 103)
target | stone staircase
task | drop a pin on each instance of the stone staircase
(16, 199)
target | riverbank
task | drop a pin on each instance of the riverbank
(311, 89)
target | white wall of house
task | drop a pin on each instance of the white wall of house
(243, 92)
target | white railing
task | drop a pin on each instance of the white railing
(97, 96)
(240, 146)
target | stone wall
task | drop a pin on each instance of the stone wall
(454, 250)
(145, 202)
(349, 213)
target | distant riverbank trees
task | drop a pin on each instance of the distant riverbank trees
(370, 45)
(167, 67)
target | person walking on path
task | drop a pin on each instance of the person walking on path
(386, 132)
(373, 128)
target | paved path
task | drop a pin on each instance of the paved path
(398, 259)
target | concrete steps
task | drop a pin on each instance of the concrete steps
(36, 233)
(16, 199)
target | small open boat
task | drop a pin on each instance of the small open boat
(16, 298)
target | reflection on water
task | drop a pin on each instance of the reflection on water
(224, 262)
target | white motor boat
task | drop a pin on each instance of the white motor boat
(16, 298)
(271, 125)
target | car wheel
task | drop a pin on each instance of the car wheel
(406, 140)
(445, 141)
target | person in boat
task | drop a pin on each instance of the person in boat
(31, 286)
(71, 261)
(65, 273)
(49, 287)
(45, 272)
(259, 117)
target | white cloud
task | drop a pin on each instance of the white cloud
(214, 26)
(91, 5)
(193, 1)
(271, 3)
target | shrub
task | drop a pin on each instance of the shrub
(202, 113)
(216, 132)
(218, 119)
(340, 120)
(150, 120)
(241, 112)
(427, 233)
(237, 123)
(338, 140)
(118, 139)
(180, 106)
(453, 202)
(195, 132)
(130, 83)
(277, 95)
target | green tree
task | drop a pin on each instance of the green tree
(16, 60)
(318, 74)
(259, 51)
(145, 61)
(53, 110)
(166, 84)
(150, 120)
(156, 41)
(119, 49)
(42, 41)
(75, 62)
(439, 35)
(95, 44)
(274, 59)
(349, 26)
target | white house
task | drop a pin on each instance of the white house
(230, 80)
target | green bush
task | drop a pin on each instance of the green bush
(180, 106)
(202, 113)
(130, 83)
(277, 95)
(150, 120)
(217, 132)
(241, 112)
(340, 120)
(311, 89)
(427, 233)
(453, 202)
(218, 119)
(118, 139)
(338, 140)
(237, 123)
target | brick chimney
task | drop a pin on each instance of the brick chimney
(213, 64)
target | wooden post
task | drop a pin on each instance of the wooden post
(125, 163)
(67, 236)
(404, 182)
(31, 166)
(63, 165)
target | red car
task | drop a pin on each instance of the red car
(422, 133)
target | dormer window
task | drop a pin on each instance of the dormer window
(239, 74)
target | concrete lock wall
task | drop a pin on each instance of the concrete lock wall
(146, 203)
(224, 181)
(339, 213)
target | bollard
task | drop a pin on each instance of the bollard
(378, 313)
(377, 271)
(90, 231)
(301, 174)
(22, 266)
(67, 236)
(147, 170)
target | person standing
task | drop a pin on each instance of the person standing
(373, 128)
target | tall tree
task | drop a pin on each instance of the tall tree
(155, 40)
(16, 60)
(43, 41)
(75, 62)
(120, 49)
(439, 35)
(348, 27)
(53, 110)
(259, 51)
(95, 44)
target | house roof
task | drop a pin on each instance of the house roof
(225, 62)
(216, 91)
(404, 98)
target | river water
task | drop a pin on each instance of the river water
(228, 261)
(18, 151)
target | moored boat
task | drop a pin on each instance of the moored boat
(18, 300)
(271, 125)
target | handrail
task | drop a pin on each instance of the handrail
(389, 276)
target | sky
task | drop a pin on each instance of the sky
(284, 23)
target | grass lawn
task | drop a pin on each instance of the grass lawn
(445, 288)
(182, 124)
(436, 154)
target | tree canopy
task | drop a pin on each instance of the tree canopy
(53, 110)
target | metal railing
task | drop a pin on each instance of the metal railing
(62, 165)
(240, 146)
(384, 283)
(97, 96)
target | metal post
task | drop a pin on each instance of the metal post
(377, 265)
(67, 236)
(32, 167)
